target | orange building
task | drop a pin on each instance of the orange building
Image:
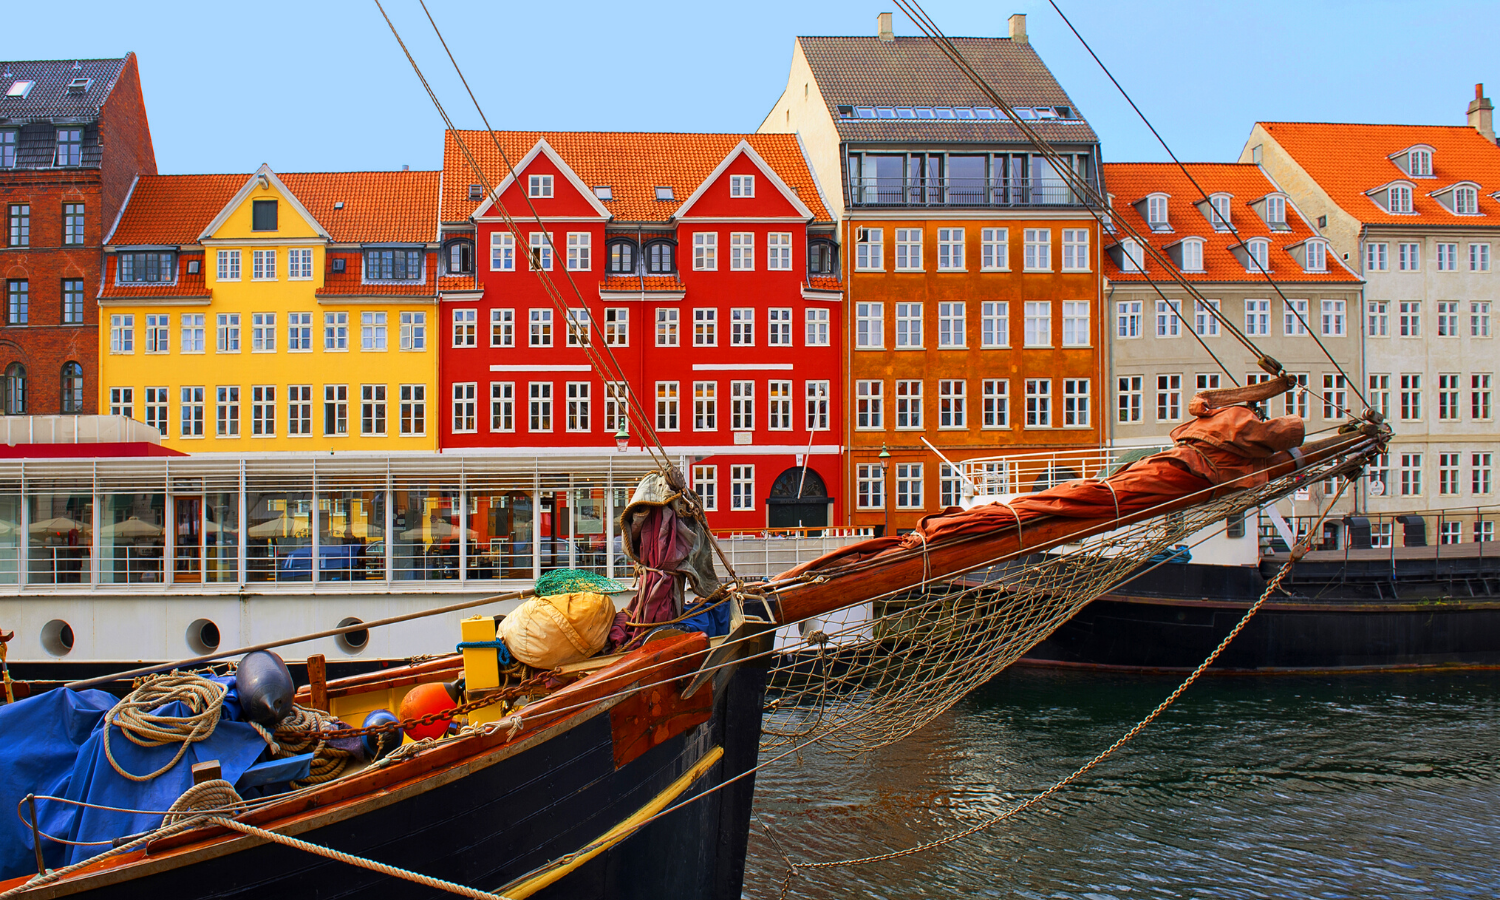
(972, 269)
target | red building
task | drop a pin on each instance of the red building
(702, 263)
(73, 139)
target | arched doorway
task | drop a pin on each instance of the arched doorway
(798, 499)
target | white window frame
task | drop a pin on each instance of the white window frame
(539, 186)
(1038, 323)
(1038, 403)
(909, 250)
(705, 326)
(742, 186)
(1205, 320)
(869, 405)
(502, 251)
(503, 327)
(227, 333)
(779, 251)
(994, 324)
(952, 324)
(299, 328)
(578, 417)
(228, 267)
(1075, 250)
(869, 250)
(263, 265)
(950, 247)
(1335, 318)
(466, 327)
(299, 264)
(667, 327)
(705, 251)
(994, 249)
(1076, 327)
(817, 327)
(1077, 403)
(373, 332)
(502, 407)
(538, 327)
(465, 418)
(869, 326)
(580, 251)
(263, 332)
(539, 251)
(335, 332)
(1037, 250)
(1377, 257)
(910, 407)
(742, 488)
(539, 410)
(995, 404)
(742, 326)
(909, 323)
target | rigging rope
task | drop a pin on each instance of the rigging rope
(134, 717)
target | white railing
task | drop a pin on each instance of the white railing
(989, 477)
(772, 551)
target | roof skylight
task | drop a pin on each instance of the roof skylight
(664, 193)
(604, 192)
(20, 89)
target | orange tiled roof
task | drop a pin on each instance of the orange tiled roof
(1348, 160)
(633, 164)
(457, 283)
(637, 283)
(350, 283)
(824, 283)
(378, 206)
(187, 285)
(1131, 182)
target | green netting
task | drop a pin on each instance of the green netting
(571, 581)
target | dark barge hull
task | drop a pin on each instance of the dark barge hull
(1359, 610)
(484, 827)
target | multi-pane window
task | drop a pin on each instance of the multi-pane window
(299, 263)
(1037, 247)
(1192, 255)
(742, 326)
(1295, 400)
(869, 249)
(122, 402)
(465, 328)
(298, 331)
(870, 486)
(263, 410)
(1133, 257)
(263, 332)
(539, 406)
(372, 409)
(1410, 318)
(579, 417)
(617, 326)
(908, 404)
(994, 323)
(742, 185)
(741, 487)
(705, 484)
(1411, 398)
(336, 409)
(1075, 249)
(1479, 318)
(705, 406)
(8, 138)
(1038, 323)
(951, 323)
(869, 325)
(158, 333)
(372, 331)
(779, 251)
(1484, 530)
(817, 327)
(263, 265)
(1335, 396)
(1409, 257)
(1258, 256)
(1479, 397)
(192, 412)
(502, 251)
(705, 327)
(1447, 319)
(661, 257)
(145, 268)
(413, 409)
(908, 249)
(336, 331)
(1379, 394)
(909, 485)
(540, 251)
(950, 486)
(908, 326)
(953, 403)
(1075, 322)
(18, 305)
(1447, 257)
(950, 247)
(742, 250)
(1450, 532)
(1481, 472)
(539, 186)
(1168, 398)
(539, 327)
(1411, 474)
(1129, 399)
(1448, 474)
(465, 417)
(20, 224)
(1294, 318)
(1258, 317)
(72, 297)
(577, 323)
(667, 405)
(1206, 317)
(502, 327)
(1038, 403)
(616, 407)
(666, 327)
(70, 146)
(1377, 257)
(579, 251)
(121, 327)
(1400, 199)
(1448, 397)
(995, 399)
(869, 405)
(817, 405)
(994, 249)
(779, 413)
(1479, 257)
(705, 251)
(742, 405)
(227, 335)
(299, 417)
(1075, 402)
(1128, 317)
(1381, 534)
(1168, 318)
(73, 223)
(502, 406)
(1377, 319)
(156, 408)
(778, 327)
(1335, 318)
(1208, 382)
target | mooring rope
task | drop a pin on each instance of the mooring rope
(134, 717)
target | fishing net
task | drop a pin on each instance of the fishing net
(572, 581)
(870, 675)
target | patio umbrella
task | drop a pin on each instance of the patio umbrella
(133, 527)
(442, 530)
(279, 527)
(57, 525)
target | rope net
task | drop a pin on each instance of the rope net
(872, 674)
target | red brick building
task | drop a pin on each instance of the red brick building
(73, 139)
(703, 263)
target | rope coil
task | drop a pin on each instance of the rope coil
(134, 717)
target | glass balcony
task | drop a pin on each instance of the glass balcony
(960, 192)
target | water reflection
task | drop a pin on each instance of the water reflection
(1357, 787)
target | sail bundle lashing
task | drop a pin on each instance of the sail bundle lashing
(969, 591)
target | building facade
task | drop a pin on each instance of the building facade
(972, 268)
(1414, 210)
(73, 137)
(259, 313)
(686, 268)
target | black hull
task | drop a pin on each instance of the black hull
(498, 823)
(1364, 612)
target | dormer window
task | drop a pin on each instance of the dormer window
(1156, 212)
(1133, 257)
(1419, 163)
(1317, 256)
(459, 258)
(661, 258)
(1465, 201)
(820, 258)
(742, 185)
(1259, 250)
(1192, 255)
(146, 268)
(70, 146)
(1218, 211)
(1399, 199)
(476, 192)
(1275, 211)
(539, 186)
(622, 257)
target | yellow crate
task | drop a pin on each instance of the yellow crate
(481, 666)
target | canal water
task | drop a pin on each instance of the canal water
(1329, 787)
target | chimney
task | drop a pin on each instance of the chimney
(883, 27)
(1018, 27)
(1481, 114)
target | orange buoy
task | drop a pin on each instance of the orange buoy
(422, 700)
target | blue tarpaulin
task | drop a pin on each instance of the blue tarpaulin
(52, 744)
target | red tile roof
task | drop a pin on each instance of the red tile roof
(633, 164)
(350, 283)
(187, 285)
(824, 283)
(378, 206)
(1348, 160)
(637, 283)
(1131, 182)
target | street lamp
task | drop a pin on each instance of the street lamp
(622, 438)
(885, 495)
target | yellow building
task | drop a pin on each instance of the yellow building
(247, 314)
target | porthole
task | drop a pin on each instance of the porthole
(203, 636)
(353, 641)
(57, 637)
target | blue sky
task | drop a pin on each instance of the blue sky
(314, 85)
